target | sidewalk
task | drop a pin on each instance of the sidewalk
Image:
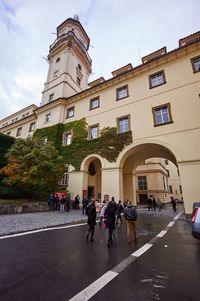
(14, 223)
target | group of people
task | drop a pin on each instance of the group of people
(153, 204)
(63, 202)
(109, 216)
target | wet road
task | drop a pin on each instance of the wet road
(59, 264)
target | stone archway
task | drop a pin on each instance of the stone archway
(91, 166)
(136, 156)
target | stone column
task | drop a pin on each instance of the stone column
(78, 181)
(112, 183)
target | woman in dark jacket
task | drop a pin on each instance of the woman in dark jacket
(110, 220)
(91, 213)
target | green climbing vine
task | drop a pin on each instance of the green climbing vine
(108, 145)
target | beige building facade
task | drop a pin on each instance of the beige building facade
(157, 101)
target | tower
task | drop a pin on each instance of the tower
(69, 62)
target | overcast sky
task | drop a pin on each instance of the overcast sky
(120, 32)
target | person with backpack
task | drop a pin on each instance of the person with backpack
(130, 215)
(91, 213)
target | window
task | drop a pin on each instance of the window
(56, 73)
(164, 185)
(123, 124)
(196, 64)
(142, 183)
(170, 189)
(79, 67)
(67, 138)
(168, 174)
(32, 127)
(48, 117)
(180, 189)
(166, 162)
(157, 79)
(162, 115)
(93, 131)
(65, 179)
(58, 59)
(70, 112)
(78, 81)
(8, 133)
(19, 132)
(92, 169)
(122, 92)
(51, 97)
(94, 103)
(178, 173)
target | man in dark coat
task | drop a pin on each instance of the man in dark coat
(109, 217)
(130, 215)
(91, 213)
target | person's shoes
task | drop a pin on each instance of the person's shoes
(92, 239)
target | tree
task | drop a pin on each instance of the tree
(35, 165)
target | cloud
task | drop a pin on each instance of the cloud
(120, 31)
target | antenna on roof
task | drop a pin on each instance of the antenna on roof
(76, 17)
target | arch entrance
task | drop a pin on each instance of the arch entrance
(92, 177)
(145, 172)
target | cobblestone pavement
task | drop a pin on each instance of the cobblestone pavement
(14, 223)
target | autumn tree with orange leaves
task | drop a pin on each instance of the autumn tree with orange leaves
(35, 165)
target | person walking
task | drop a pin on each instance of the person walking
(109, 217)
(159, 204)
(119, 212)
(62, 203)
(130, 214)
(102, 212)
(91, 213)
(150, 203)
(154, 204)
(173, 203)
(85, 203)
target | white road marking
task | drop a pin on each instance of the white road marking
(40, 230)
(162, 233)
(170, 224)
(177, 216)
(142, 250)
(93, 288)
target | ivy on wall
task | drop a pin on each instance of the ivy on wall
(108, 145)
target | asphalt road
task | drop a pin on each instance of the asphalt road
(60, 264)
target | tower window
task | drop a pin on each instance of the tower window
(51, 97)
(78, 81)
(79, 66)
(58, 59)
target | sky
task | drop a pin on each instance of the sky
(120, 32)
